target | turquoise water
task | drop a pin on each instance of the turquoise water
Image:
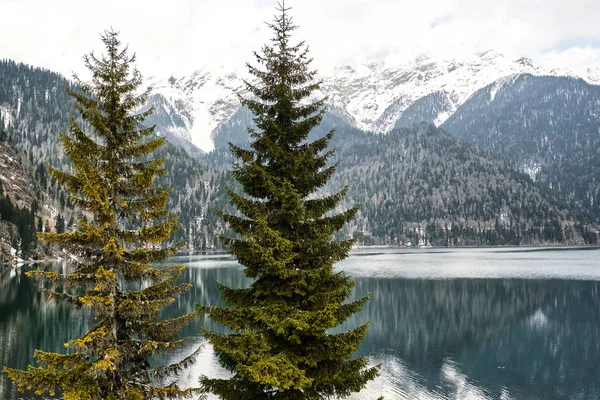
(509, 323)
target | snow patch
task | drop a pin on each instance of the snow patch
(500, 83)
(6, 115)
(201, 100)
(532, 169)
(442, 117)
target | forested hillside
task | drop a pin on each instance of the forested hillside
(416, 185)
(421, 184)
(432, 108)
(19, 204)
(547, 126)
(34, 111)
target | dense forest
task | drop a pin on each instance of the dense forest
(422, 185)
(548, 126)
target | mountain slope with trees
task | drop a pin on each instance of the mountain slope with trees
(20, 216)
(433, 108)
(422, 184)
(34, 110)
(544, 125)
(419, 184)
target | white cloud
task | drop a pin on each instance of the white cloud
(184, 35)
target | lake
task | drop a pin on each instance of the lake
(500, 323)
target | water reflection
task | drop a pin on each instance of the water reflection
(28, 322)
(424, 320)
(521, 339)
(437, 338)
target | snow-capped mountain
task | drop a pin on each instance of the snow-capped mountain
(375, 95)
(191, 107)
(371, 97)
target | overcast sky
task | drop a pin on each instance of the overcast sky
(180, 36)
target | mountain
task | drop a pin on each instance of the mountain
(420, 178)
(29, 203)
(546, 126)
(433, 108)
(34, 110)
(18, 204)
(376, 94)
(416, 184)
(373, 97)
(191, 107)
(15, 174)
(422, 181)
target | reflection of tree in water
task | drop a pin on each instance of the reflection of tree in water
(539, 339)
(532, 339)
(481, 324)
(28, 322)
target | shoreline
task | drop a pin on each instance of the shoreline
(533, 246)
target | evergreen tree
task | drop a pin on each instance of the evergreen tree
(116, 274)
(59, 226)
(280, 347)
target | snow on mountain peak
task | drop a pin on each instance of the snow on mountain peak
(199, 102)
(500, 83)
(377, 99)
(371, 95)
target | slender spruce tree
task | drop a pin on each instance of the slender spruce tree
(119, 272)
(280, 347)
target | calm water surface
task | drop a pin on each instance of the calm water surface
(508, 323)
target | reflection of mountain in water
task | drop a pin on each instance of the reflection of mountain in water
(439, 339)
(426, 320)
(530, 339)
(553, 354)
(27, 322)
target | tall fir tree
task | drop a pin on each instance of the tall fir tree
(280, 347)
(119, 273)
(59, 226)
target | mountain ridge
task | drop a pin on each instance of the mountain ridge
(546, 125)
(36, 109)
(371, 97)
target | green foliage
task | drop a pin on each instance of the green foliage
(118, 273)
(280, 347)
